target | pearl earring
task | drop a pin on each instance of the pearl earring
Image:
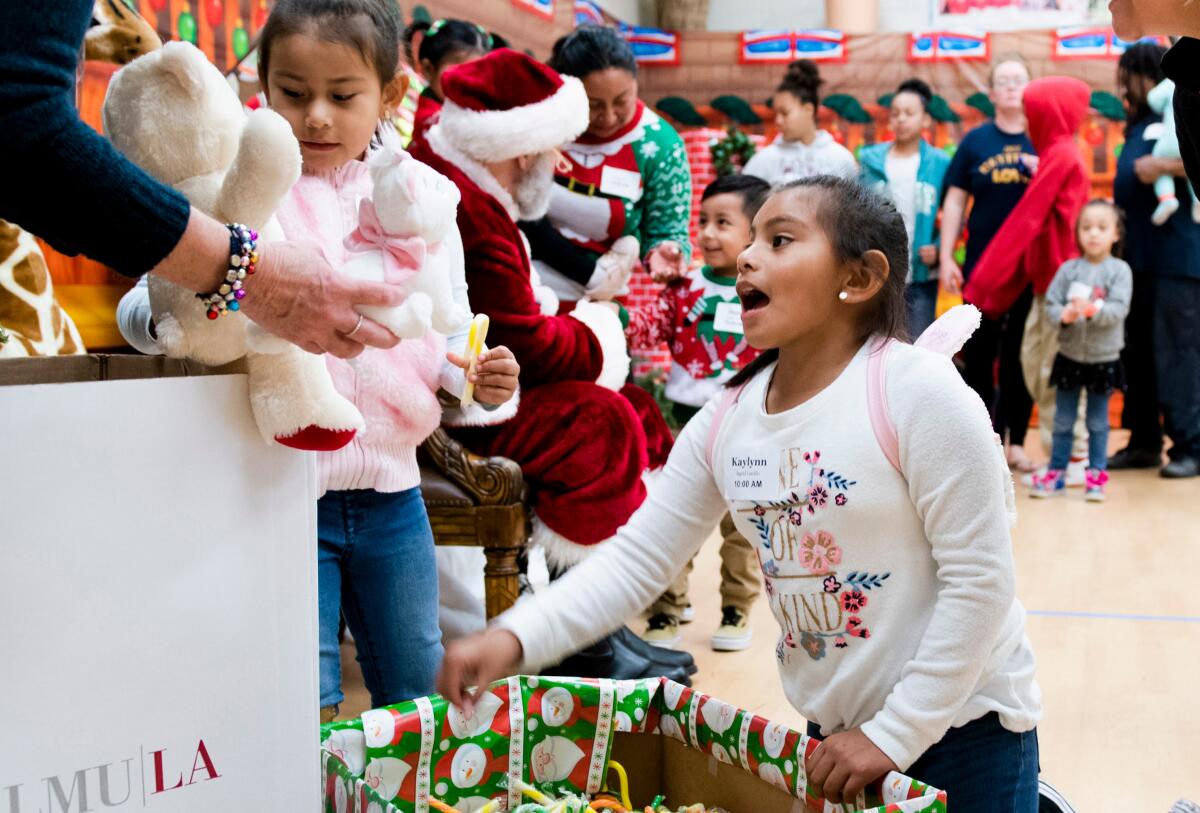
(843, 296)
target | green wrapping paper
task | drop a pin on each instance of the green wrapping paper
(557, 734)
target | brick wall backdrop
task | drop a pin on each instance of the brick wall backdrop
(876, 65)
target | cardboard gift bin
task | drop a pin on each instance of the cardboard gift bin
(560, 734)
(157, 593)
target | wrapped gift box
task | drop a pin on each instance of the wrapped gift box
(559, 734)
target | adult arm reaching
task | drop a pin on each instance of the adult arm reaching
(70, 186)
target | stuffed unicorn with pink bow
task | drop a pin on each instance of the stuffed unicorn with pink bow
(404, 237)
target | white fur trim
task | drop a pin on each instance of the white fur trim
(497, 135)
(543, 294)
(561, 553)
(477, 172)
(605, 324)
(478, 415)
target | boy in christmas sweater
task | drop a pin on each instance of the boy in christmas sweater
(700, 318)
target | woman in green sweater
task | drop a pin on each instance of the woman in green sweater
(624, 190)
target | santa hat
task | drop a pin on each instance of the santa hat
(508, 104)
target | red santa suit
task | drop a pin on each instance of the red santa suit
(580, 443)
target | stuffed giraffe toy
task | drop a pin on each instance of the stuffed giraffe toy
(31, 318)
(32, 323)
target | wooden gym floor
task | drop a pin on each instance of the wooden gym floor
(1114, 615)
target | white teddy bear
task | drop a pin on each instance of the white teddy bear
(402, 239)
(174, 115)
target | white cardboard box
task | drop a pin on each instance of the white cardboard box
(158, 639)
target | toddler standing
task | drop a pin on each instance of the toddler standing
(1089, 300)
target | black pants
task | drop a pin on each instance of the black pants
(547, 244)
(1140, 413)
(1009, 403)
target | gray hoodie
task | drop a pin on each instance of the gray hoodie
(1099, 339)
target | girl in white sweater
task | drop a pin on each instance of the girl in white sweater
(803, 149)
(901, 638)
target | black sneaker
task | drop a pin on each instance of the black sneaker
(1181, 468)
(1131, 458)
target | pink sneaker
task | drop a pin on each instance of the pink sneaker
(1095, 482)
(1049, 484)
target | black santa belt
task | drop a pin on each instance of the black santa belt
(579, 187)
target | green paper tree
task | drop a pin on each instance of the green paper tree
(736, 108)
(422, 15)
(1108, 105)
(681, 110)
(886, 99)
(847, 107)
(982, 103)
(940, 110)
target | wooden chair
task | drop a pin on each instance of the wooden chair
(476, 501)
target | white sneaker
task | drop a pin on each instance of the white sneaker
(688, 615)
(613, 270)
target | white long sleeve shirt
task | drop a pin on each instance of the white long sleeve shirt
(785, 161)
(895, 595)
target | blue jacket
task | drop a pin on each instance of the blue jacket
(930, 174)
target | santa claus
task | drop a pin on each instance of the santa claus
(582, 437)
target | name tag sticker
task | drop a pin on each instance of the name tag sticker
(622, 183)
(728, 318)
(752, 474)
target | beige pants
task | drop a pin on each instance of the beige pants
(1038, 349)
(739, 576)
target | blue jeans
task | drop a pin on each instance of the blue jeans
(375, 564)
(922, 305)
(1066, 408)
(982, 766)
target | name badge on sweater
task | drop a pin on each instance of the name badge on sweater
(752, 474)
(728, 318)
(621, 183)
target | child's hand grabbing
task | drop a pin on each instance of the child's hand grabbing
(495, 376)
(666, 262)
(1070, 314)
(476, 661)
(846, 763)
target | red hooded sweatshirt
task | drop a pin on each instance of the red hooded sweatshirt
(1039, 234)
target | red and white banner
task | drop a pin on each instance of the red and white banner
(765, 46)
(947, 46)
(1091, 42)
(542, 8)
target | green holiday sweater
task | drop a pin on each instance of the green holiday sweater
(636, 182)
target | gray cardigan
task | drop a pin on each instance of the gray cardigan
(1099, 339)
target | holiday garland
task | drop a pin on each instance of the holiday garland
(734, 143)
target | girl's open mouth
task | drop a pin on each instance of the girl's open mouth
(752, 298)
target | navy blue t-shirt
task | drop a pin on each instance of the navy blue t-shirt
(988, 166)
(1172, 249)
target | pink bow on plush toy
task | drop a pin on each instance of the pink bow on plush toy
(403, 256)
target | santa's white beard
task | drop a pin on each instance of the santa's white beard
(532, 193)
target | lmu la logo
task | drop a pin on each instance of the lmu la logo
(111, 784)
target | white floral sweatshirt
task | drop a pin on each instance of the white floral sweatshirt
(895, 595)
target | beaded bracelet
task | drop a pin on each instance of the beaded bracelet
(243, 259)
